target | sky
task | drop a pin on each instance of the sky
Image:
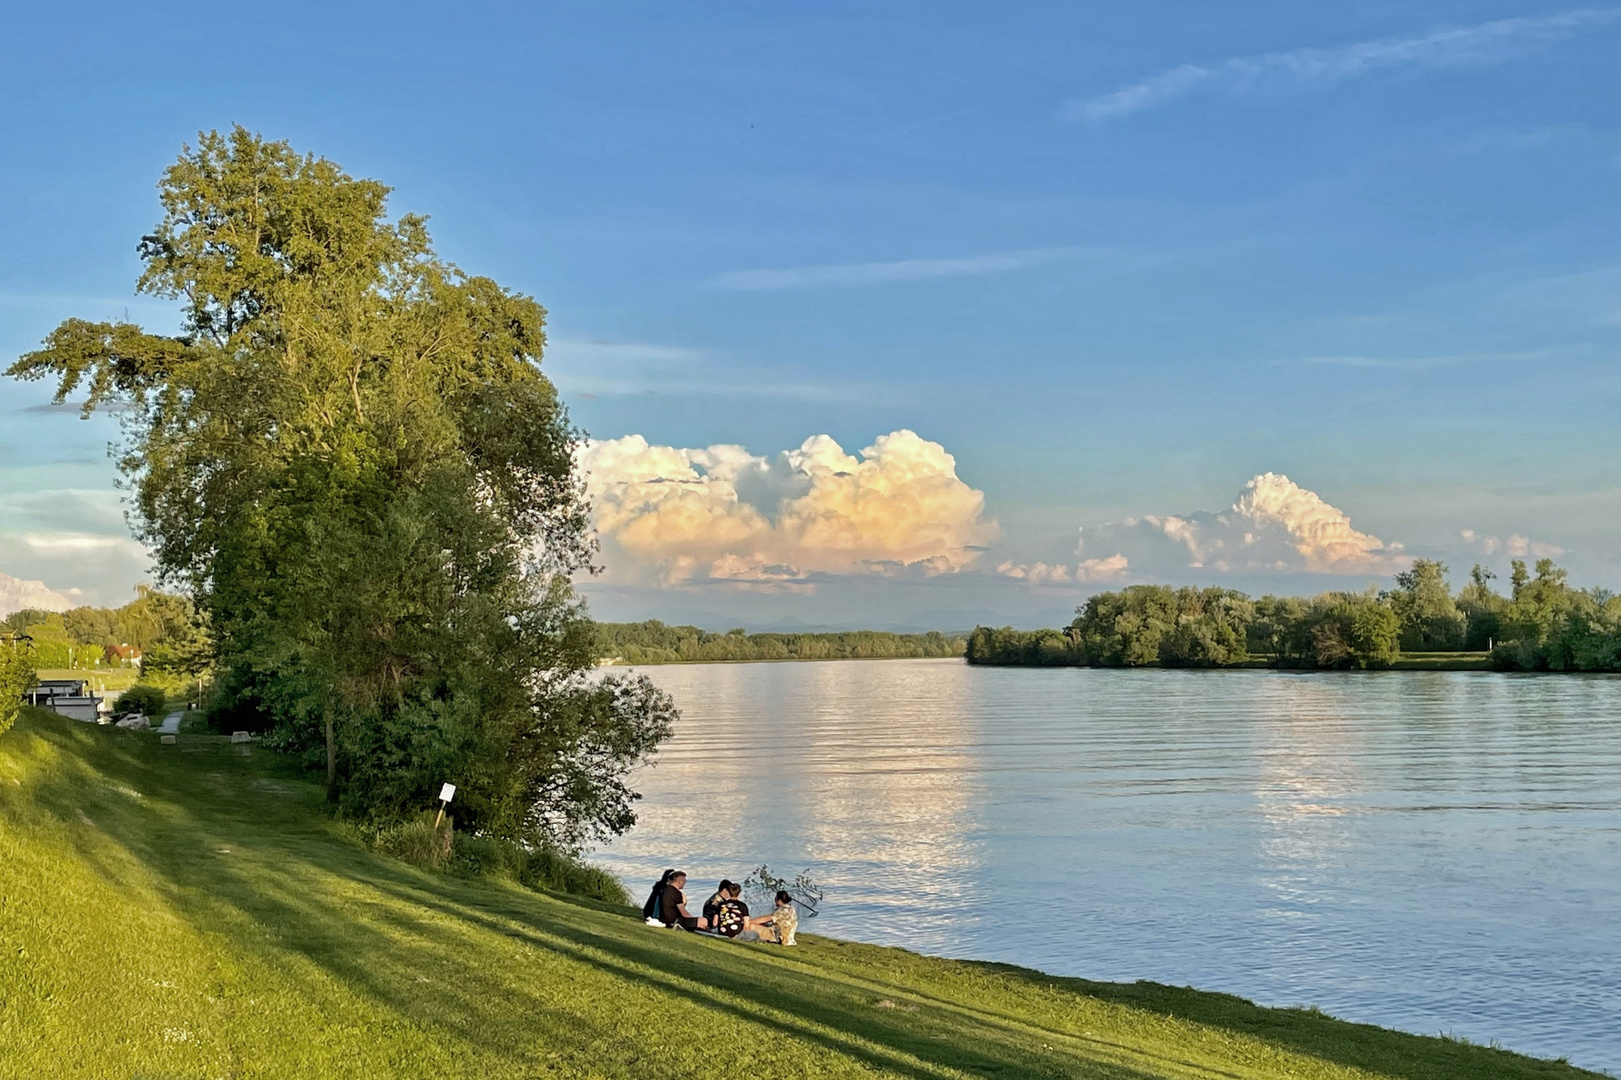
(919, 314)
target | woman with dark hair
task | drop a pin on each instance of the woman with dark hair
(653, 910)
(672, 904)
(779, 927)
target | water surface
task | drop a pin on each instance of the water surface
(1433, 851)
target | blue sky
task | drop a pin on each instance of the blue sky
(1114, 260)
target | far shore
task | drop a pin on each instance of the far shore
(1476, 661)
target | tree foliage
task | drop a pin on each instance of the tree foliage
(1430, 619)
(16, 676)
(1154, 624)
(352, 462)
(653, 642)
(1482, 609)
(1546, 625)
(82, 637)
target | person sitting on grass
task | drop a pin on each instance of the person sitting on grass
(673, 906)
(711, 912)
(779, 927)
(732, 916)
(652, 911)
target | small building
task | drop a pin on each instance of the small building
(85, 707)
(122, 656)
(66, 697)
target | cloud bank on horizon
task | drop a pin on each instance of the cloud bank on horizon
(17, 594)
(1483, 43)
(1274, 526)
(721, 515)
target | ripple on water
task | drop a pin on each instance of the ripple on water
(1434, 851)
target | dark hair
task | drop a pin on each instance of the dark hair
(726, 885)
(783, 897)
(733, 888)
(675, 874)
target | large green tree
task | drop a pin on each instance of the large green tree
(1430, 618)
(351, 460)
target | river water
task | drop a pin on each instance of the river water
(1431, 851)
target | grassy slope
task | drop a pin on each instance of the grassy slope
(187, 911)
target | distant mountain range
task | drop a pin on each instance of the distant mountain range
(16, 594)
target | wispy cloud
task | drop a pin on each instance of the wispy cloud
(75, 542)
(74, 408)
(1389, 363)
(594, 369)
(1484, 43)
(844, 275)
(612, 353)
(1514, 545)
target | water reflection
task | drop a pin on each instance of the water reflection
(858, 772)
(1432, 851)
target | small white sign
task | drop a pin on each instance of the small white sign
(447, 793)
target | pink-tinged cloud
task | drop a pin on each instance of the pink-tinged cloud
(721, 515)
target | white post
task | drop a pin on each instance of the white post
(446, 793)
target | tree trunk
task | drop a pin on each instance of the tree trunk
(331, 759)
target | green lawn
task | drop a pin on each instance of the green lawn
(112, 680)
(187, 911)
(1443, 661)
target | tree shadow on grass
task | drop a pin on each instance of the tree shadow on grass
(483, 964)
(743, 985)
(289, 887)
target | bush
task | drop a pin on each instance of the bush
(16, 676)
(548, 868)
(469, 856)
(143, 699)
(417, 841)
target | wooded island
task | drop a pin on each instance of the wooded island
(1542, 625)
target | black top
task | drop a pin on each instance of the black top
(650, 910)
(731, 917)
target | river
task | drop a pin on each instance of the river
(1431, 851)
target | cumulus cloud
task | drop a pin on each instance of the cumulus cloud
(1515, 546)
(721, 515)
(1274, 525)
(17, 594)
(1483, 43)
(1113, 568)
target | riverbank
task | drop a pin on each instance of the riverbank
(189, 910)
(654, 642)
(1007, 647)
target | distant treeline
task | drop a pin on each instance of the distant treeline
(655, 643)
(1542, 625)
(160, 631)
